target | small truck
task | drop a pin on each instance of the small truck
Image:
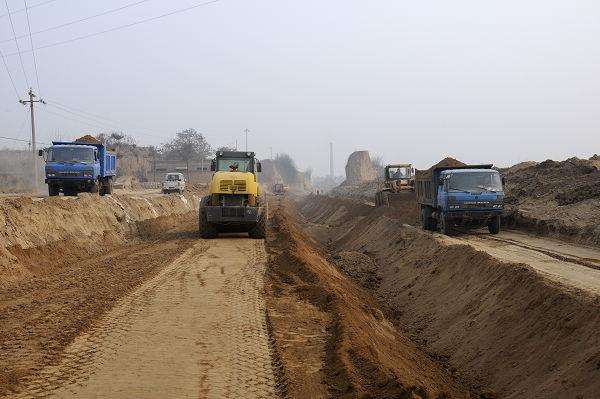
(79, 166)
(174, 182)
(462, 197)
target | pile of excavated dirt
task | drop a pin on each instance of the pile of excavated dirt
(359, 168)
(500, 326)
(364, 191)
(555, 198)
(444, 163)
(331, 336)
(40, 233)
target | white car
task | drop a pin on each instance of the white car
(174, 182)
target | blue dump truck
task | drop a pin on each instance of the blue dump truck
(79, 166)
(462, 197)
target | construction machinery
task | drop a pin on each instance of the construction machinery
(278, 189)
(234, 202)
(398, 184)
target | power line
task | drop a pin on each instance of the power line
(73, 120)
(118, 27)
(21, 140)
(37, 76)
(9, 75)
(30, 7)
(16, 42)
(95, 117)
(82, 19)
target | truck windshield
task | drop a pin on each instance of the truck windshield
(173, 178)
(71, 154)
(235, 165)
(399, 173)
(475, 181)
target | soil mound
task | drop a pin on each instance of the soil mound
(88, 139)
(553, 197)
(347, 343)
(62, 227)
(501, 326)
(447, 162)
(359, 168)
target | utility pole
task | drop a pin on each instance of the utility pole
(31, 101)
(246, 131)
(331, 160)
(271, 149)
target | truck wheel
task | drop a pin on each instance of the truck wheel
(494, 225)
(427, 221)
(207, 230)
(109, 186)
(53, 190)
(444, 225)
(259, 231)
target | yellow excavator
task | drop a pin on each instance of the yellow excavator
(234, 202)
(398, 184)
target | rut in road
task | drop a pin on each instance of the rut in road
(196, 330)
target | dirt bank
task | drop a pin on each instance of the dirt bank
(39, 234)
(555, 199)
(502, 326)
(331, 335)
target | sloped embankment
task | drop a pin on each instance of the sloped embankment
(501, 326)
(331, 335)
(555, 198)
(39, 234)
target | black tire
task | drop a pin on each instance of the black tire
(428, 222)
(53, 190)
(444, 225)
(207, 230)
(259, 231)
(109, 186)
(94, 188)
(494, 225)
(70, 192)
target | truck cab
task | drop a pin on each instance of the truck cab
(462, 197)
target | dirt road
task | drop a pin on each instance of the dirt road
(569, 264)
(196, 329)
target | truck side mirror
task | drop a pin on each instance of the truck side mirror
(503, 180)
(213, 165)
(41, 153)
(258, 167)
(441, 181)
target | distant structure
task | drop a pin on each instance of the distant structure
(331, 160)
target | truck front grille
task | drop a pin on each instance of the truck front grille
(225, 184)
(236, 212)
(70, 174)
(240, 185)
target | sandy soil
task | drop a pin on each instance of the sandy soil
(569, 264)
(331, 334)
(515, 316)
(196, 329)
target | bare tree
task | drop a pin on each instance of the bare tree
(186, 146)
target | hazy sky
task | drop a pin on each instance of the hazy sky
(500, 81)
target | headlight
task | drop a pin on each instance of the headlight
(88, 173)
(454, 206)
(51, 174)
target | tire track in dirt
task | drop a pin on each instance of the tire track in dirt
(197, 329)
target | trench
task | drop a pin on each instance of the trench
(501, 327)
